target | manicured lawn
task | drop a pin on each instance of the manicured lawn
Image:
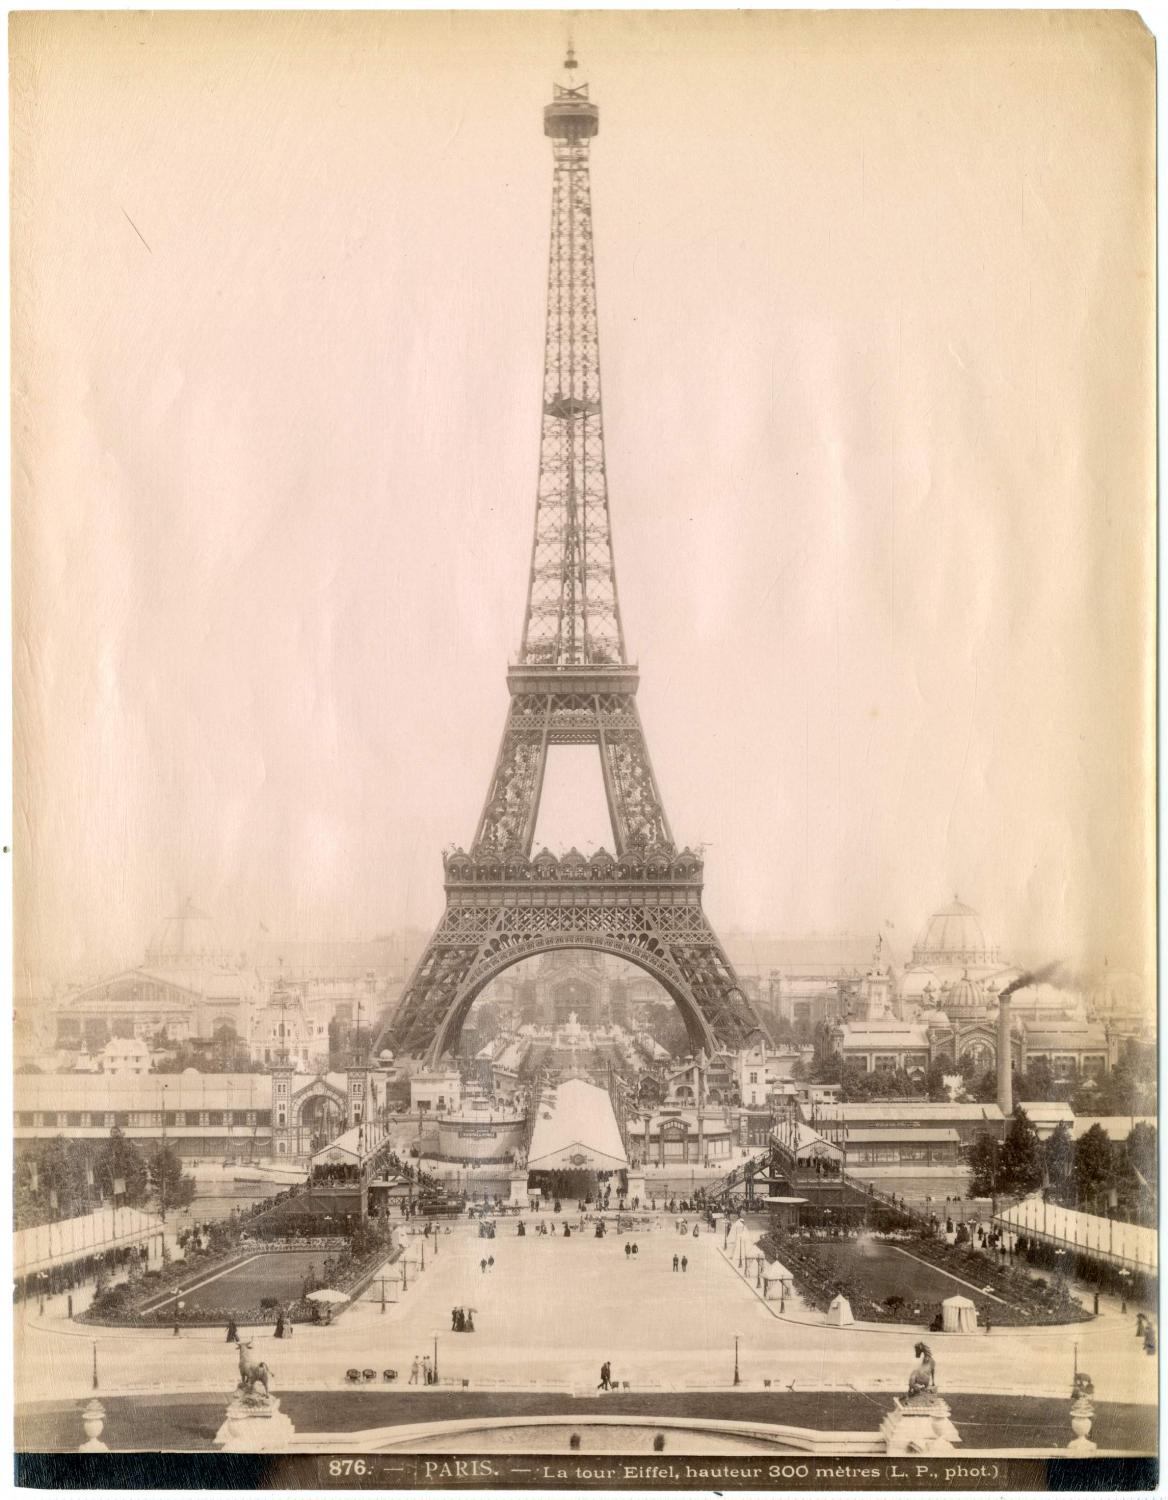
(271, 1273)
(190, 1422)
(888, 1272)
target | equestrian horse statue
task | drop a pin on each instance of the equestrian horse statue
(923, 1380)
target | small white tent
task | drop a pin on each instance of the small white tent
(958, 1315)
(839, 1314)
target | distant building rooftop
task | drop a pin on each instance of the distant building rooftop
(918, 1110)
(881, 1137)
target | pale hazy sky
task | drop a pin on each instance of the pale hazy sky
(878, 356)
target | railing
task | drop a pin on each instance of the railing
(738, 1175)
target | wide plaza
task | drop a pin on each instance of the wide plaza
(551, 1310)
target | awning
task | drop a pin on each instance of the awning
(69, 1240)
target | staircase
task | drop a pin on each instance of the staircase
(736, 1178)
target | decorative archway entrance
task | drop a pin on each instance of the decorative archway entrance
(318, 1117)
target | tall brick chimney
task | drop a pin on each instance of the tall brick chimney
(1005, 1081)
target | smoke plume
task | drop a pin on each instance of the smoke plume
(1049, 973)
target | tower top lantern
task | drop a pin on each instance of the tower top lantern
(570, 116)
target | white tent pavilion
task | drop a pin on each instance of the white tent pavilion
(958, 1315)
(576, 1131)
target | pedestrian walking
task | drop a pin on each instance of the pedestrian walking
(605, 1377)
(232, 1331)
(483, 1265)
(684, 1262)
(280, 1323)
(695, 1231)
(491, 1262)
(414, 1369)
(628, 1249)
(675, 1262)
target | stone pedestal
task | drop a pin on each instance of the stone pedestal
(519, 1196)
(919, 1425)
(636, 1186)
(1082, 1415)
(254, 1424)
(93, 1421)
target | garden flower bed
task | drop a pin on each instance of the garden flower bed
(158, 1300)
(906, 1279)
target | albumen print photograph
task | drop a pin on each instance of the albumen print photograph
(584, 703)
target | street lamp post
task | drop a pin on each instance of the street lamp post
(435, 1359)
(162, 1164)
(383, 1294)
(737, 1377)
(177, 1306)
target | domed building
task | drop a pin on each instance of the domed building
(954, 957)
(967, 998)
(946, 1009)
(186, 940)
(188, 987)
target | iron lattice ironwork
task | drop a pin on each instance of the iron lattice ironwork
(572, 685)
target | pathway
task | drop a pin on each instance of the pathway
(553, 1309)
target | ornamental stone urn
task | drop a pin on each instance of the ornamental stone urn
(93, 1421)
(1082, 1415)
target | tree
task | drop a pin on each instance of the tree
(1142, 1151)
(983, 1165)
(165, 1170)
(50, 1183)
(985, 1088)
(1094, 1167)
(1039, 1081)
(935, 1082)
(1130, 1087)
(1020, 1162)
(120, 1161)
(1060, 1163)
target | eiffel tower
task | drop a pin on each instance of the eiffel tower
(571, 685)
